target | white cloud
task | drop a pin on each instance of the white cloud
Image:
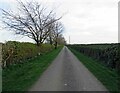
(86, 21)
(97, 17)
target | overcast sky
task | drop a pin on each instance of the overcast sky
(85, 21)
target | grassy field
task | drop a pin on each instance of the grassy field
(20, 77)
(105, 75)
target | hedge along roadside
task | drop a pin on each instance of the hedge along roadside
(16, 52)
(107, 76)
(20, 77)
(105, 53)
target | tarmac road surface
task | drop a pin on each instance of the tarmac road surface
(67, 73)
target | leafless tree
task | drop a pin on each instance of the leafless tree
(51, 36)
(33, 21)
(58, 29)
(61, 40)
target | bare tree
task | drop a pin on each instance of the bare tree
(33, 21)
(51, 36)
(58, 29)
(61, 40)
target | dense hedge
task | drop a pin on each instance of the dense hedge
(106, 53)
(16, 52)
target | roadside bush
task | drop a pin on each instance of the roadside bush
(105, 53)
(17, 52)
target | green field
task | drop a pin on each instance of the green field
(20, 77)
(108, 77)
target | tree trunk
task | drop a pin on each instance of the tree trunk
(51, 41)
(55, 45)
(38, 44)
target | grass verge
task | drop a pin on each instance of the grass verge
(102, 73)
(21, 76)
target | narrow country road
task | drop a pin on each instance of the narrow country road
(67, 73)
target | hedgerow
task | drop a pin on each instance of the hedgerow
(105, 53)
(17, 52)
